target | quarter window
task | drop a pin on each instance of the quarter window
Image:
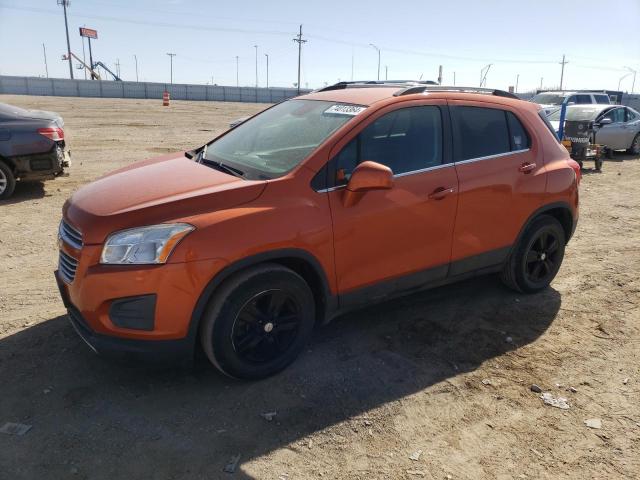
(517, 134)
(405, 140)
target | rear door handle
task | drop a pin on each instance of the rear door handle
(440, 192)
(527, 167)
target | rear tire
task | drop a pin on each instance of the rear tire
(258, 322)
(536, 259)
(7, 181)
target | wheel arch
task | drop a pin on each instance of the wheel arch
(561, 211)
(300, 261)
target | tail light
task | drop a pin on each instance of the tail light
(55, 134)
(576, 168)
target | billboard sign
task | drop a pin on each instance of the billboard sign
(88, 32)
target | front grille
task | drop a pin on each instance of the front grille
(67, 266)
(70, 235)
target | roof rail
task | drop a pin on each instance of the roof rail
(375, 83)
(441, 88)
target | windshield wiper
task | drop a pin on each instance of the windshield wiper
(223, 167)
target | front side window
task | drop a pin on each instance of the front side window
(405, 140)
(583, 99)
(616, 115)
(480, 132)
(277, 140)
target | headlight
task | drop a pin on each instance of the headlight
(144, 245)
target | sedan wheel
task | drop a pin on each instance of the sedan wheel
(7, 181)
(635, 145)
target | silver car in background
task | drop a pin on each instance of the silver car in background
(619, 126)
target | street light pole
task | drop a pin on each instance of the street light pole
(633, 84)
(171, 55)
(256, 47)
(237, 73)
(267, 55)
(44, 52)
(378, 50)
(135, 57)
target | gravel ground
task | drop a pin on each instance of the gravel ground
(433, 386)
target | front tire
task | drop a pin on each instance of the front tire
(634, 149)
(7, 181)
(536, 259)
(258, 322)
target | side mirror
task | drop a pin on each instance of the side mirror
(365, 177)
(605, 121)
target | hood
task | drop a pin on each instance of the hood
(154, 191)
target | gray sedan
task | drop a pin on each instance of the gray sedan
(619, 126)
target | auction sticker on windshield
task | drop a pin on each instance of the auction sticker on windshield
(344, 110)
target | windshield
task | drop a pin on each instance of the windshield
(548, 99)
(577, 114)
(277, 140)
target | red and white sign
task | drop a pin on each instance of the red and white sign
(88, 32)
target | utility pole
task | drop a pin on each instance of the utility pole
(517, 81)
(135, 57)
(563, 63)
(267, 55)
(237, 72)
(117, 64)
(90, 56)
(386, 72)
(352, 62)
(378, 59)
(633, 84)
(440, 75)
(454, 79)
(84, 58)
(256, 47)
(299, 41)
(64, 4)
(171, 55)
(44, 52)
(541, 78)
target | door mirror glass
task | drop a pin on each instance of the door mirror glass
(605, 121)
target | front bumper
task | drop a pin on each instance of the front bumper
(170, 352)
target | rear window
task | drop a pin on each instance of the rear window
(483, 132)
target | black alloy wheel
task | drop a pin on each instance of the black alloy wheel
(542, 257)
(266, 326)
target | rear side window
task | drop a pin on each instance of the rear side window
(603, 99)
(480, 132)
(584, 99)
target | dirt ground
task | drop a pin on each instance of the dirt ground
(433, 386)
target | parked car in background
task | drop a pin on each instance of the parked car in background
(551, 101)
(32, 147)
(616, 127)
(352, 194)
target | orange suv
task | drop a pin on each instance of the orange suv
(351, 194)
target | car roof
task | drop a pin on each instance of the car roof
(375, 94)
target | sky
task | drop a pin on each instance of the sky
(517, 37)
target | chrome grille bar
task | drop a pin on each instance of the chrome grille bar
(70, 235)
(67, 266)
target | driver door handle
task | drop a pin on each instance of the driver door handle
(440, 192)
(527, 167)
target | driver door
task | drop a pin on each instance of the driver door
(614, 135)
(397, 239)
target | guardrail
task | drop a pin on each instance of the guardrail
(109, 89)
